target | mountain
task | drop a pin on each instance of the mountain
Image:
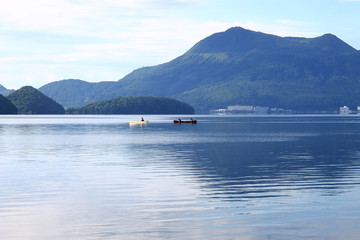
(78, 93)
(243, 67)
(2, 88)
(29, 100)
(4, 91)
(7, 107)
(135, 105)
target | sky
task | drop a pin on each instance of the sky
(43, 41)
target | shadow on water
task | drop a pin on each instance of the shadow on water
(253, 157)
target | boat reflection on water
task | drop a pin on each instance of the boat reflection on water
(179, 121)
(138, 122)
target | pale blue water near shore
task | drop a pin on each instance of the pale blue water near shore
(237, 177)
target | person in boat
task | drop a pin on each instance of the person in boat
(179, 119)
(142, 119)
(191, 119)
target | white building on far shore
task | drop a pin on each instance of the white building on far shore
(239, 109)
(345, 110)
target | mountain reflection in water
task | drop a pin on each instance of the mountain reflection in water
(236, 177)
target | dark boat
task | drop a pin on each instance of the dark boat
(185, 121)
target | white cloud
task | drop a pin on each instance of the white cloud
(39, 15)
(102, 40)
(56, 15)
(147, 3)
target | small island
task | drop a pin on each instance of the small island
(135, 105)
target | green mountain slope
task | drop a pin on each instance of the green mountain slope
(244, 67)
(7, 107)
(28, 100)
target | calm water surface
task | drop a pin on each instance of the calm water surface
(237, 177)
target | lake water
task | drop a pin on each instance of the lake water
(232, 177)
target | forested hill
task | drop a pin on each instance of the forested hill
(135, 105)
(29, 100)
(243, 67)
(7, 107)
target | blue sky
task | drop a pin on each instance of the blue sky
(42, 41)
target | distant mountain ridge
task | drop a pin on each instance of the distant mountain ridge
(4, 91)
(239, 40)
(239, 66)
(78, 93)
